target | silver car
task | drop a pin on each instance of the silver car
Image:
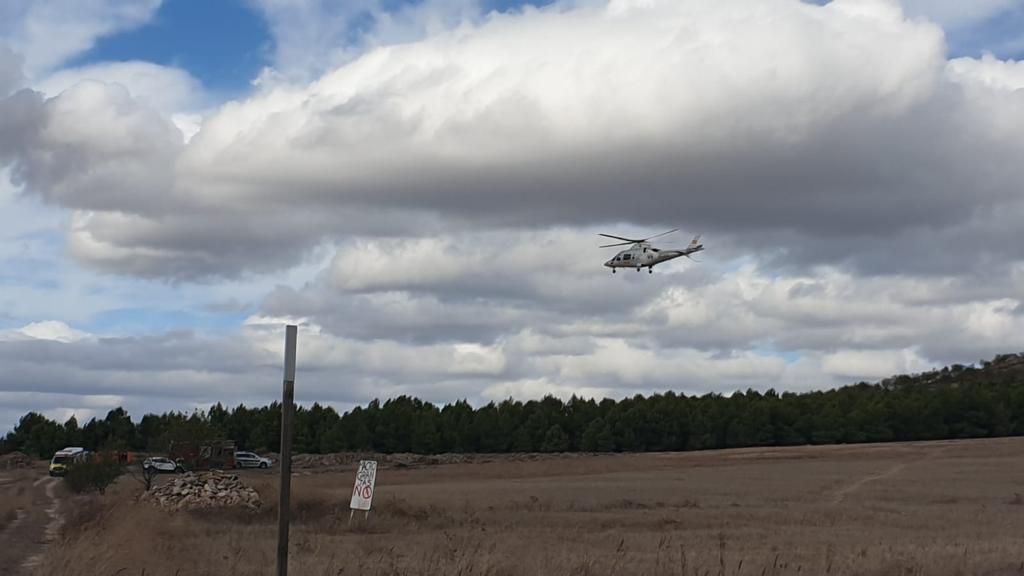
(251, 460)
(161, 464)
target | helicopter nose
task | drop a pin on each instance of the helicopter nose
(608, 264)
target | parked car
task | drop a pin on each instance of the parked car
(251, 460)
(161, 464)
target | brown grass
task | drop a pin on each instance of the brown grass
(947, 508)
(15, 496)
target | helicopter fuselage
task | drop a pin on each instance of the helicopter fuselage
(643, 256)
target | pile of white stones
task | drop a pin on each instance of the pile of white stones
(204, 490)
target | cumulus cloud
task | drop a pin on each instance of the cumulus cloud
(720, 325)
(858, 192)
(166, 89)
(54, 330)
(1003, 76)
(93, 147)
(179, 370)
(706, 307)
(314, 36)
(694, 114)
(49, 32)
(719, 330)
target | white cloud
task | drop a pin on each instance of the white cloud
(314, 36)
(859, 196)
(841, 329)
(496, 125)
(989, 71)
(873, 365)
(166, 89)
(49, 32)
(53, 330)
(710, 323)
(97, 148)
(385, 358)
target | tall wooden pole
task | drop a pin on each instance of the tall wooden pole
(284, 508)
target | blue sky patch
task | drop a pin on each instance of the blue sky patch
(506, 5)
(223, 43)
(149, 321)
(1002, 35)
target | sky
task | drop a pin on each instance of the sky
(420, 187)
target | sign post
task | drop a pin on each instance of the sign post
(284, 509)
(362, 492)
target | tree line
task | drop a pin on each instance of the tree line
(986, 400)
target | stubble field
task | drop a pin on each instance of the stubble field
(940, 508)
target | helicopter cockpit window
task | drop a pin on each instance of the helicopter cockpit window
(625, 256)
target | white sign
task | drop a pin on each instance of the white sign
(362, 494)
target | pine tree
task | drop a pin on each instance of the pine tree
(555, 440)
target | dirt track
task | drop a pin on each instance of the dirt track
(928, 453)
(35, 499)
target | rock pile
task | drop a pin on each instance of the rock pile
(14, 460)
(203, 490)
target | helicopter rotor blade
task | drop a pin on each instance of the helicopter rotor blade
(662, 234)
(619, 244)
(628, 240)
(638, 240)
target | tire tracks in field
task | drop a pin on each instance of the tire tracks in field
(839, 496)
(19, 516)
(24, 541)
(52, 529)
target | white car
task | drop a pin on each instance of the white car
(161, 464)
(250, 460)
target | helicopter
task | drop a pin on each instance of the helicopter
(642, 254)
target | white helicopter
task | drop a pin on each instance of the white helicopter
(642, 254)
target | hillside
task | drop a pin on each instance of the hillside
(1007, 368)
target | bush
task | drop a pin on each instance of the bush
(92, 475)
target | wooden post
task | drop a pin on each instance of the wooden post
(284, 509)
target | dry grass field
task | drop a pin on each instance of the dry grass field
(15, 496)
(28, 499)
(943, 508)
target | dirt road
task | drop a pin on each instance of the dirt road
(35, 503)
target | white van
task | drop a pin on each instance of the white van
(65, 457)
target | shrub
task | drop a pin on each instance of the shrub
(92, 475)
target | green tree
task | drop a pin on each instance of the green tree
(958, 402)
(555, 440)
(598, 437)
